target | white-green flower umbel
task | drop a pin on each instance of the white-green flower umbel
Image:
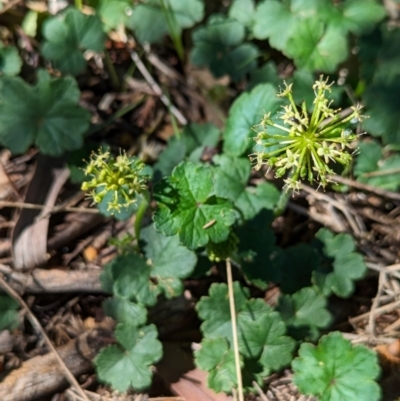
(308, 143)
(121, 176)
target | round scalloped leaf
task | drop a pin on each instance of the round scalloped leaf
(219, 46)
(129, 366)
(334, 370)
(46, 114)
(218, 359)
(243, 11)
(187, 206)
(113, 12)
(184, 13)
(170, 261)
(68, 36)
(245, 112)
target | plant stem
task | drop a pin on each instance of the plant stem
(140, 214)
(282, 203)
(111, 69)
(234, 329)
(78, 4)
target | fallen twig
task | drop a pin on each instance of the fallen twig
(36, 324)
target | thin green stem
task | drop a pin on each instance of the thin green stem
(111, 69)
(234, 329)
(78, 4)
(141, 212)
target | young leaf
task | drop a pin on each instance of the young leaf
(187, 206)
(68, 35)
(129, 365)
(219, 45)
(245, 112)
(10, 61)
(170, 262)
(337, 371)
(217, 358)
(347, 264)
(46, 114)
(185, 13)
(9, 319)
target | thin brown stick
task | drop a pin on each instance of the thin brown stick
(54, 209)
(371, 318)
(36, 324)
(9, 5)
(366, 187)
(156, 88)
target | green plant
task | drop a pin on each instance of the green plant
(206, 203)
(336, 371)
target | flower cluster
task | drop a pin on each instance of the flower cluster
(119, 176)
(306, 144)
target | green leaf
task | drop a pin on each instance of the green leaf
(263, 344)
(187, 206)
(170, 262)
(68, 36)
(191, 143)
(299, 263)
(216, 358)
(214, 310)
(219, 46)
(243, 11)
(383, 105)
(131, 279)
(304, 312)
(268, 73)
(268, 334)
(348, 265)
(317, 47)
(353, 16)
(274, 21)
(124, 311)
(231, 176)
(113, 12)
(245, 112)
(185, 13)
(46, 114)
(373, 169)
(260, 258)
(129, 365)
(9, 319)
(10, 61)
(337, 371)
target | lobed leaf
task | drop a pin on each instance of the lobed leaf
(68, 36)
(46, 114)
(187, 206)
(334, 370)
(129, 364)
